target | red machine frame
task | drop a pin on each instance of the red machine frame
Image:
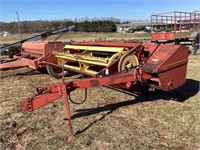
(161, 67)
(45, 95)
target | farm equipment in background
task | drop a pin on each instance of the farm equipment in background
(15, 48)
(177, 27)
(117, 64)
(31, 54)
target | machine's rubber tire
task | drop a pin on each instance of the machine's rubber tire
(177, 42)
(57, 73)
(42, 70)
(125, 60)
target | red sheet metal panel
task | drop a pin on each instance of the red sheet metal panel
(169, 63)
(167, 36)
(148, 46)
(21, 62)
(42, 47)
(109, 44)
(32, 53)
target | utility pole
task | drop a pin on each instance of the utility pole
(19, 26)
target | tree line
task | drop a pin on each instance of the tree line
(29, 27)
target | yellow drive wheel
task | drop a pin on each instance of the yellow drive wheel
(127, 61)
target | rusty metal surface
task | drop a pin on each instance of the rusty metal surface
(148, 46)
(164, 37)
(159, 66)
(32, 53)
(171, 26)
(109, 44)
(45, 95)
(169, 63)
(18, 63)
(159, 61)
(43, 48)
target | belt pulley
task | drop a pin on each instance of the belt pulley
(127, 61)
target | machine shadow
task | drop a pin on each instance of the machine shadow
(181, 94)
(27, 73)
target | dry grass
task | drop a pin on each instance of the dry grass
(12, 39)
(80, 36)
(107, 120)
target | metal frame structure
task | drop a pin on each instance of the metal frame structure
(157, 68)
(174, 26)
(77, 57)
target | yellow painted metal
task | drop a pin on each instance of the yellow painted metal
(84, 58)
(95, 48)
(127, 61)
(79, 68)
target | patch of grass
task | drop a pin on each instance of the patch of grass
(80, 36)
(107, 120)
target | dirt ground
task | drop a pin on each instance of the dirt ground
(109, 119)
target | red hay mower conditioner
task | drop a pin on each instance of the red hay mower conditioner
(117, 64)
